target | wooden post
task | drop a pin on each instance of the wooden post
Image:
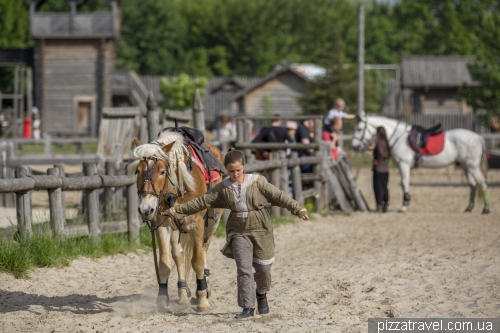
(248, 124)
(47, 142)
(360, 203)
(336, 187)
(275, 180)
(325, 151)
(296, 181)
(284, 179)
(108, 192)
(118, 192)
(198, 115)
(318, 206)
(240, 128)
(62, 173)
(23, 206)
(29, 91)
(361, 59)
(55, 203)
(133, 221)
(92, 198)
(153, 117)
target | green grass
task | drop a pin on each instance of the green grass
(20, 255)
(39, 148)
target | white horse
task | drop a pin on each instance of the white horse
(461, 145)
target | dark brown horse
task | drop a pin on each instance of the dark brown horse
(165, 178)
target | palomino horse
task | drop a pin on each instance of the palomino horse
(461, 145)
(164, 179)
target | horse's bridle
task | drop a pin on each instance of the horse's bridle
(388, 140)
(364, 145)
(170, 198)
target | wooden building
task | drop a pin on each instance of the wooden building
(74, 59)
(277, 91)
(430, 84)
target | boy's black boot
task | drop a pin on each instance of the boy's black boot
(247, 312)
(262, 305)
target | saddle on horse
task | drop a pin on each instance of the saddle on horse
(194, 140)
(424, 141)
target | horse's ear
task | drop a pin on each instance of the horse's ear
(137, 143)
(167, 148)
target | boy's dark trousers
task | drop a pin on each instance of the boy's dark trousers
(380, 180)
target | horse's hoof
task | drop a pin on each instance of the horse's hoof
(203, 304)
(184, 296)
(468, 209)
(486, 210)
(162, 304)
(404, 209)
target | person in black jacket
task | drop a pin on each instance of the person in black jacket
(274, 133)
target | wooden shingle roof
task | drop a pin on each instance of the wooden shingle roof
(282, 69)
(435, 71)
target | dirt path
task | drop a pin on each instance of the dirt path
(331, 274)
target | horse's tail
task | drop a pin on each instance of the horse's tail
(187, 247)
(484, 170)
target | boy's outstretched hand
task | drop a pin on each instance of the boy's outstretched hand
(166, 213)
(305, 217)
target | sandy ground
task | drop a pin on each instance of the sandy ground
(331, 274)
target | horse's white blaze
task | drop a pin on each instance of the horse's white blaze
(147, 206)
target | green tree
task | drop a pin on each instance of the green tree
(14, 25)
(153, 37)
(179, 94)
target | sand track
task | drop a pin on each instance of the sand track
(331, 274)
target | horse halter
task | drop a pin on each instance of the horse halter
(362, 138)
(149, 177)
(170, 198)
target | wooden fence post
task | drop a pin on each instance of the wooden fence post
(284, 179)
(55, 203)
(360, 203)
(108, 192)
(92, 199)
(7, 199)
(247, 133)
(62, 173)
(318, 206)
(118, 196)
(296, 181)
(275, 180)
(198, 115)
(325, 151)
(133, 222)
(153, 117)
(23, 206)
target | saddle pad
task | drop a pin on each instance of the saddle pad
(435, 145)
(214, 173)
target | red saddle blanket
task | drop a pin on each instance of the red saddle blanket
(215, 174)
(435, 145)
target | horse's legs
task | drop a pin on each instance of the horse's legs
(198, 263)
(476, 177)
(179, 258)
(404, 171)
(472, 196)
(164, 268)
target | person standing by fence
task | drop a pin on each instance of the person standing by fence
(381, 155)
(249, 232)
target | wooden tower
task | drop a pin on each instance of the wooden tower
(74, 60)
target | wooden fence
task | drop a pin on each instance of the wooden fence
(329, 183)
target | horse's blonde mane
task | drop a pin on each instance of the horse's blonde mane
(175, 157)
